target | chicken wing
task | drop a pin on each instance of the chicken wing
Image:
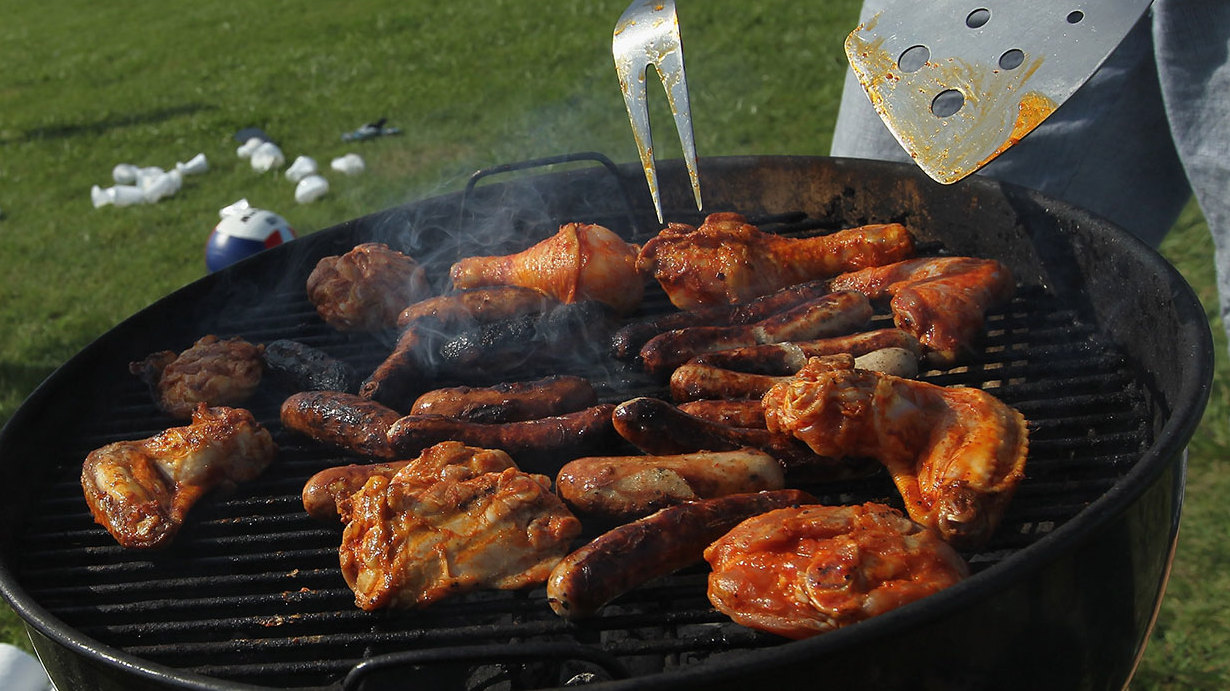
(941, 300)
(409, 543)
(805, 570)
(581, 261)
(213, 371)
(727, 260)
(366, 288)
(956, 454)
(140, 491)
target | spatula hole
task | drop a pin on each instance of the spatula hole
(1012, 59)
(947, 102)
(978, 18)
(914, 58)
(1076, 17)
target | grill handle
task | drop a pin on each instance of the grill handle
(480, 655)
(633, 223)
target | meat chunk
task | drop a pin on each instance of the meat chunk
(327, 494)
(408, 544)
(801, 571)
(140, 491)
(727, 260)
(214, 371)
(341, 420)
(509, 401)
(956, 454)
(366, 288)
(624, 488)
(582, 261)
(942, 301)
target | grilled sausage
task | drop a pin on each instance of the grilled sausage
(426, 324)
(539, 446)
(657, 427)
(300, 367)
(623, 488)
(789, 357)
(326, 491)
(567, 335)
(694, 381)
(659, 544)
(627, 342)
(482, 305)
(727, 411)
(691, 382)
(342, 420)
(828, 315)
(509, 402)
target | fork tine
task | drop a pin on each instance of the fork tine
(648, 34)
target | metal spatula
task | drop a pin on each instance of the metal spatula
(960, 81)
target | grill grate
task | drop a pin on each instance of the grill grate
(251, 590)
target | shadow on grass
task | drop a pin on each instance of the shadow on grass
(62, 131)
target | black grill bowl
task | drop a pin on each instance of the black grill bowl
(1105, 350)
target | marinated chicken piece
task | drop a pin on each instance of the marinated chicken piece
(409, 543)
(727, 260)
(366, 288)
(805, 570)
(943, 300)
(581, 261)
(327, 494)
(955, 454)
(214, 371)
(140, 491)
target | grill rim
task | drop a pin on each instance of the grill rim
(1192, 345)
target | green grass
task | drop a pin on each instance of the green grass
(87, 85)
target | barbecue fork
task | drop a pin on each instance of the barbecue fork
(648, 34)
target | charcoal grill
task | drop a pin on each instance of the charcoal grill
(1104, 349)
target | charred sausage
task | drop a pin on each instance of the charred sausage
(326, 491)
(509, 402)
(828, 315)
(657, 427)
(343, 420)
(695, 381)
(539, 446)
(659, 544)
(627, 342)
(789, 357)
(623, 488)
(748, 412)
(426, 324)
(300, 367)
(482, 305)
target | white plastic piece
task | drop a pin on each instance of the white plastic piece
(311, 188)
(235, 208)
(266, 157)
(195, 166)
(350, 164)
(101, 197)
(301, 168)
(162, 186)
(127, 195)
(125, 174)
(245, 150)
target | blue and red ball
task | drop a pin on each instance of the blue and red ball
(242, 235)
